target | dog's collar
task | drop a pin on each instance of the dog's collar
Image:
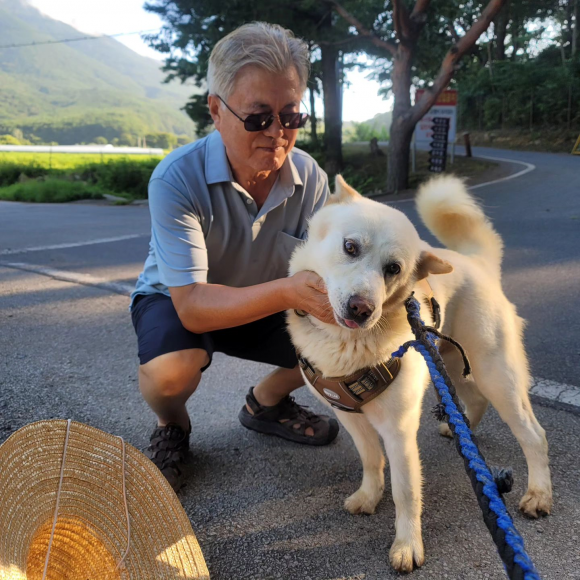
(350, 393)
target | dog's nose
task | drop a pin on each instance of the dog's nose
(360, 308)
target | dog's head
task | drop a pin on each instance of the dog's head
(369, 255)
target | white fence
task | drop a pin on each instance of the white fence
(102, 149)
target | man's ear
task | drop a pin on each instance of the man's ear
(214, 105)
(343, 193)
(431, 264)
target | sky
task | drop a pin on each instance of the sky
(360, 101)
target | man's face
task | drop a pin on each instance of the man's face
(258, 91)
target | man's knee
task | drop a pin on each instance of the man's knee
(169, 375)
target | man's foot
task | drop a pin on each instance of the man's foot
(169, 450)
(288, 420)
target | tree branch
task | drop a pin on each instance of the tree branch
(348, 40)
(450, 62)
(388, 45)
(418, 14)
(401, 20)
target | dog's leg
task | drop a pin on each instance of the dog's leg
(400, 437)
(505, 383)
(475, 403)
(366, 440)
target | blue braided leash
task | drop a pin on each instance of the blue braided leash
(509, 543)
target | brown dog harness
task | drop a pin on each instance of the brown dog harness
(350, 393)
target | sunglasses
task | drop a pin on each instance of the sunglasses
(261, 121)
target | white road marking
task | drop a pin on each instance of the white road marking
(74, 277)
(559, 392)
(527, 168)
(71, 244)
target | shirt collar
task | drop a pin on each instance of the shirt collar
(217, 166)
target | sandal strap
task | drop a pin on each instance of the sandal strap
(289, 413)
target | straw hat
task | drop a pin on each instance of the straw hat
(101, 481)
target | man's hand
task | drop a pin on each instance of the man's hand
(308, 293)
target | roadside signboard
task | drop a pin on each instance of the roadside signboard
(445, 106)
(576, 148)
(438, 150)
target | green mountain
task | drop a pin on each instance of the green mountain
(75, 92)
(381, 121)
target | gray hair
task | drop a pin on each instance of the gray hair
(268, 46)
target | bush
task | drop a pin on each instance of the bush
(11, 172)
(162, 140)
(8, 140)
(364, 132)
(125, 176)
(50, 191)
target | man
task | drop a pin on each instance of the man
(226, 213)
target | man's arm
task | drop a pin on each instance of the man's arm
(207, 307)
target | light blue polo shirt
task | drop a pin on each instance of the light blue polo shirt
(205, 227)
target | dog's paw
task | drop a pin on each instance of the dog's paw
(403, 554)
(445, 431)
(536, 503)
(362, 502)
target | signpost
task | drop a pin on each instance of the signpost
(445, 106)
(438, 152)
(426, 130)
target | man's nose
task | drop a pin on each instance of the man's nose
(276, 128)
(360, 308)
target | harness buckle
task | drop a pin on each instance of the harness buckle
(366, 383)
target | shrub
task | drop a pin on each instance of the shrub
(50, 191)
(8, 140)
(126, 176)
(11, 172)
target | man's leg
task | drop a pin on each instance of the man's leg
(277, 385)
(167, 382)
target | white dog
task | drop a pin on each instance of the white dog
(371, 258)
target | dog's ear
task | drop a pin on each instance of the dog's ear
(343, 193)
(431, 264)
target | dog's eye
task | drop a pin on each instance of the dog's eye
(350, 248)
(392, 269)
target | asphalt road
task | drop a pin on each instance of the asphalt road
(263, 508)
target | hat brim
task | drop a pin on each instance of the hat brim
(90, 538)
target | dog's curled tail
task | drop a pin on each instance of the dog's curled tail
(456, 219)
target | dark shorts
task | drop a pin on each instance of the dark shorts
(159, 331)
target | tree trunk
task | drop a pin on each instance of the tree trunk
(515, 28)
(575, 31)
(401, 127)
(570, 28)
(500, 25)
(332, 113)
(313, 127)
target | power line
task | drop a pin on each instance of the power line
(76, 39)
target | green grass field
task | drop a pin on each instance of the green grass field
(81, 175)
(68, 160)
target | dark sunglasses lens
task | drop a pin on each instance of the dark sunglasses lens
(293, 120)
(258, 122)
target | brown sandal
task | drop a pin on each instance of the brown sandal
(288, 420)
